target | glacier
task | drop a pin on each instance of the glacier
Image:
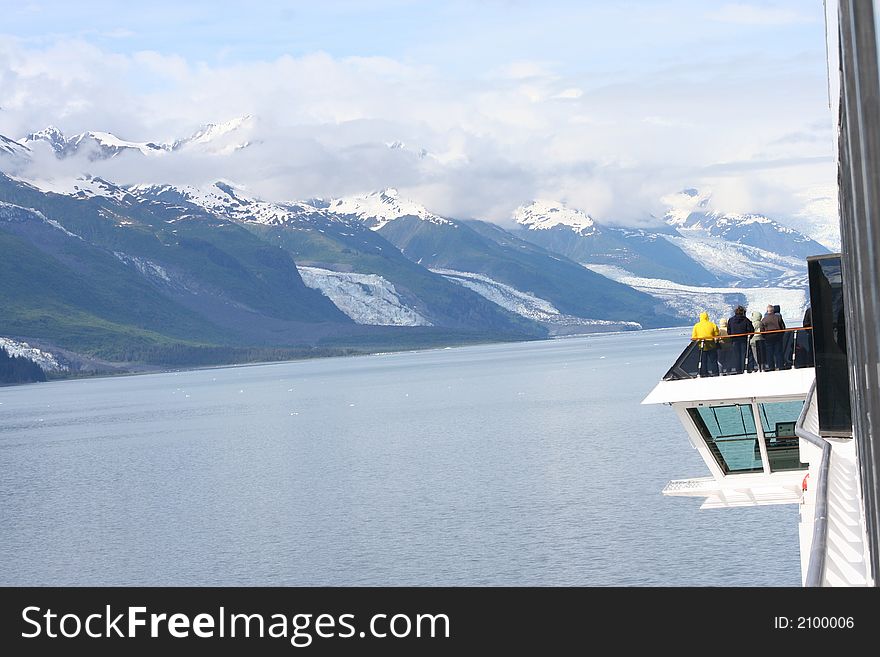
(528, 305)
(47, 361)
(17, 213)
(748, 263)
(146, 267)
(365, 298)
(688, 301)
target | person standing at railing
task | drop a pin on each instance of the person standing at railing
(756, 351)
(739, 325)
(705, 333)
(725, 353)
(772, 326)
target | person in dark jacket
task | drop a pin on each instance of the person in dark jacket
(739, 325)
(772, 326)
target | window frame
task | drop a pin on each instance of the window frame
(699, 442)
(760, 425)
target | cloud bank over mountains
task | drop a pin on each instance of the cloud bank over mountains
(608, 138)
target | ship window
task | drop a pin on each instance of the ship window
(777, 421)
(730, 433)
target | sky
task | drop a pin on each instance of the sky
(607, 106)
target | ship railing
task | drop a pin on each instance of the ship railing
(819, 542)
(744, 353)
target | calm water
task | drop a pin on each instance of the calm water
(518, 464)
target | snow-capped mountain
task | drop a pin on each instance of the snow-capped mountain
(340, 250)
(697, 258)
(225, 198)
(684, 202)
(9, 147)
(220, 198)
(211, 138)
(238, 265)
(98, 145)
(691, 215)
(377, 209)
(330, 238)
(485, 249)
(545, 215)
(51, 135)
(81, 187)
(86, 272)
(228, 200)
(219, 138)
(574, 234)
(363, 274)
(695, 244)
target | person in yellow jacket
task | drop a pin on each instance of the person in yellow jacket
(705, 333)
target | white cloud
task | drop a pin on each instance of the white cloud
(570, 93)
(491, 144)
(523, 70)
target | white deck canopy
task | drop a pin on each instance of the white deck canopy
(782, 383)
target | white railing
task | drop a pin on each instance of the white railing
(806, 428)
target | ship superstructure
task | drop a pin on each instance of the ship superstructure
(808, 433)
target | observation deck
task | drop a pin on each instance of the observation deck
(740, 415)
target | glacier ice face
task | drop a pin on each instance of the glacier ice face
(509, 298)
(146, 267)
(47, 361)
(525, 304)
(366, 298)
(16, 213)
(688, 301)
(748, 263)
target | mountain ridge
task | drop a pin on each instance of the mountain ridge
(101, 145)
(365, 268)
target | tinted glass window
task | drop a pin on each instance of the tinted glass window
(777, 423)
(730, 433)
